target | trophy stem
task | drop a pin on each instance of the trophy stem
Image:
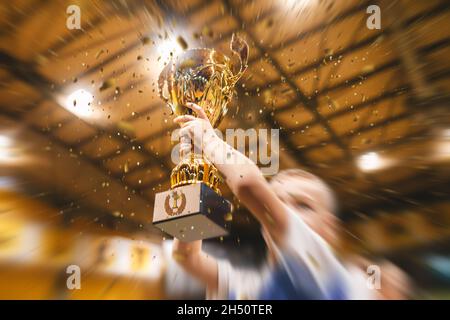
(194, 168)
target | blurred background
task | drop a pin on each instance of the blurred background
(85, 140)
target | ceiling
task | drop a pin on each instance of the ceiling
(334, 88)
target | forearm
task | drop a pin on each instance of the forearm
(236, 168)
(196, 262)
(248, 184)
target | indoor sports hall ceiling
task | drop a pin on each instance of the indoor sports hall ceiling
(338, 92)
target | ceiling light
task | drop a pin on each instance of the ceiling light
(442, 146)
(6, 153)
(5, 142)
(370, 161)
(167, 49)
(80, 103)
(446, 133)
(297, 5)
(11, 151)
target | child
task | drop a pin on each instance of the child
(296, 214)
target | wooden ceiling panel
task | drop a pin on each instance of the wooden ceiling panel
(295, 117)
(381, 135)
(308, 136)
(296, 56)
(94, 64)
(352, 79)
(145, 176)
(74, 131)
(325, 154)
(262, 72)
(184, 6)
(437, 61)
(125, 162)
(48, 114)
(285, 18)
(208, 11)
(411, 8)
(308, 82)
(153, 123)
(101, 146)
(360, 92)
(369, 116)
(17, 94)
(279, 95)
(223, 25)
(443, 84)
(428, 31)
(338, 36)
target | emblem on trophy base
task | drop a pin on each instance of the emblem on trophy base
(199, 212)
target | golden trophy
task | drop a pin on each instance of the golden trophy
(193, 208)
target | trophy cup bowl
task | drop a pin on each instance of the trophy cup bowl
(193, 208)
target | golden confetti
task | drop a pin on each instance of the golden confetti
(368, 68)
(228, 217)
(126, 127)
(183, 44)
(108, 84)
(99, 53)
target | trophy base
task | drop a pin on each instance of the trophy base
(192, 212)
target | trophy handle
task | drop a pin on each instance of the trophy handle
(240, 48)
(164, 80)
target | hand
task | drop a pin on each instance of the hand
(181, 251)
(197, 129)
(190, 256)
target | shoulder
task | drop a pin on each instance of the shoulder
(310, 259)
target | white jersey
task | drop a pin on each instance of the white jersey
(306, 268)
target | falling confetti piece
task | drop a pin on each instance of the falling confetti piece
(116, 213)
(183, 44)
(107, 84)
(99, 53)
(368, 68)
(126, 127)
(207, 32)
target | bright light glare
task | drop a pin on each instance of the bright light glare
(442, 151)
(168, 48)
(442, 146)
(370, 161)
(297, 5)
(80, 103)
(6, 154)
(5, 142)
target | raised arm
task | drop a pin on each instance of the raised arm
(196, 262)
(241, 174)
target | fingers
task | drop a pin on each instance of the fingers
(183, 119)
(186, 132)
(197, 109)
(185, 149)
